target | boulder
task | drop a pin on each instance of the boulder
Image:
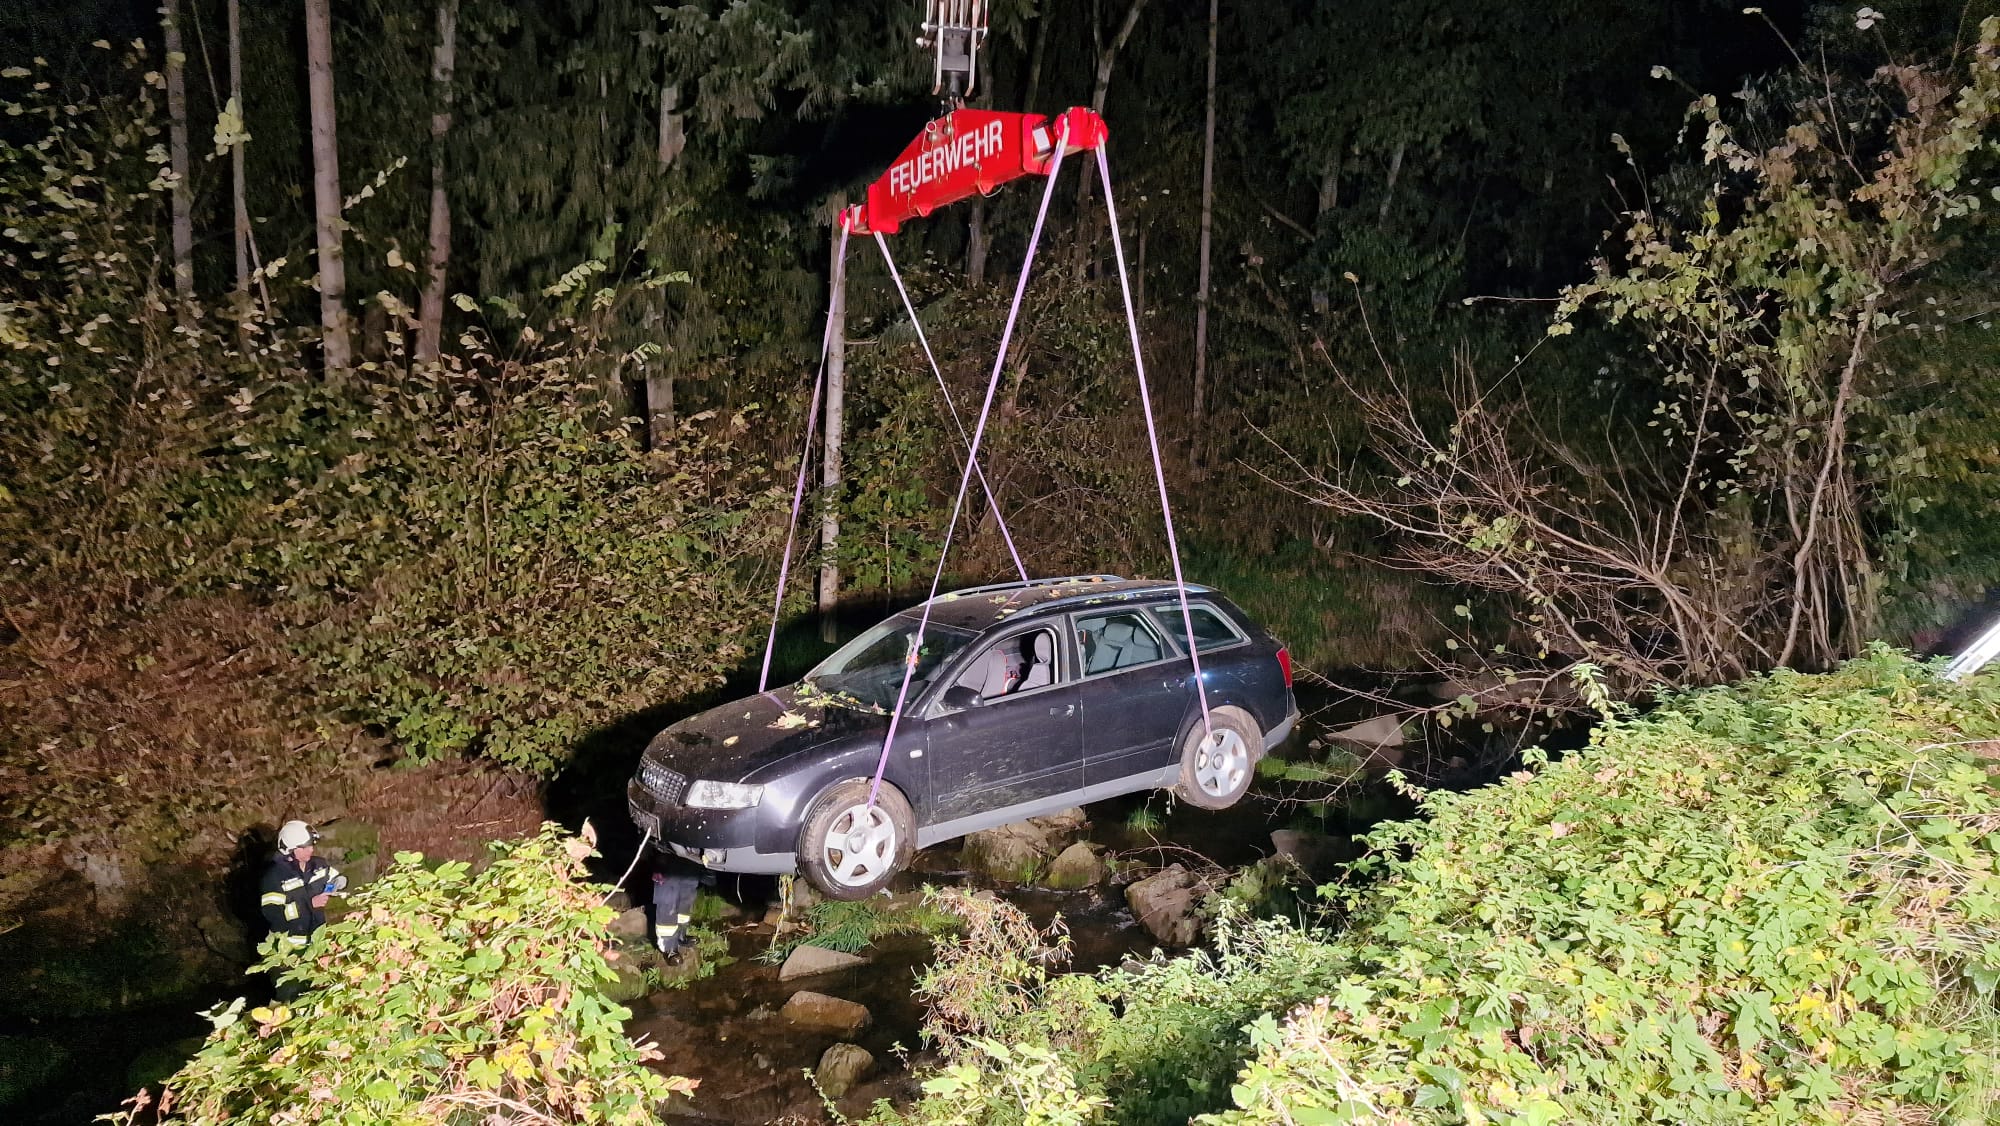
(1011, 852)
(1062, 823)
(807, 960)
(1079, 866)
(1016, 852)
(842, 1067)
(1165, 904)
(818, 1012)
(631, 924)
(1382, 731)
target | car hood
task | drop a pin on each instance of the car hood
(732, 742)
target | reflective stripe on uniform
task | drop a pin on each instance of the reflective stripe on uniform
(667, 928)
(293, 884)
(273, 899)
(291, 911)
(683, 918)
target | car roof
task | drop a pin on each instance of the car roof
(981, 607)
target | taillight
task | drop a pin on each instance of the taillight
(1285, 664)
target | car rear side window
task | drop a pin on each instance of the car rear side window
(1211, 629)
(1117, 640)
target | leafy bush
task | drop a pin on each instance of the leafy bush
(478, 555)
(486, 559)
(852, 925)
(1759, 903)
(441, 996)
(1769, 902)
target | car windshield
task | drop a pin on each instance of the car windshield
(869, 669)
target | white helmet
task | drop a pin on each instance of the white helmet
(295, 834)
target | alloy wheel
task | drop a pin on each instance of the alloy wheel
(1222, 764)
(860, 845)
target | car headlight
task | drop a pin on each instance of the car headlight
(723, 795)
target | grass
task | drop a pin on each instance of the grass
(850, 926)
(1333, 609)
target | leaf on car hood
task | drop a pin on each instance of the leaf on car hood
(789, 721)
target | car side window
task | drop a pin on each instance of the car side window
(1117, 640)
(1012, 665)
(1211, 629)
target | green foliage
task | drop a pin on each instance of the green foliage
(440, 996)
(528, 572)
(1770, 902)
(1144, 819)
(477, 555)
(1062, 448)
(1748, 501)
(1332, 611)
(1755, 903)
(850, 926)
(1771, 308)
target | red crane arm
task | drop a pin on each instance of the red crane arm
(963, 152)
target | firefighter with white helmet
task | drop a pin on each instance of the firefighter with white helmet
(297, 885)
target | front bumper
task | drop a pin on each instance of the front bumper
(744, 860)
(723, 840)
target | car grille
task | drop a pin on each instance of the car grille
(668, 787)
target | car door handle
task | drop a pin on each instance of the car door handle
(1066, 709)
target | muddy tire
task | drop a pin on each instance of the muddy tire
(850, 851)
(1217, 765)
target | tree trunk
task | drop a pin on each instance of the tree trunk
(1389, 192)
(177, 149)
(238, 194)
(1329, 198)
(1139, 260)
(1207, 225)
(975, 222)
(1107, 57)
(836, 389)
(673, 133)
(430, 314)
(660, 387)
(975, 243)
(1043, 23)
(659, 410)
(326, 187)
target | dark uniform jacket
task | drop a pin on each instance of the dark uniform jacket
(288, 892)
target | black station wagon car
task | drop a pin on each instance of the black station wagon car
(1026, 698)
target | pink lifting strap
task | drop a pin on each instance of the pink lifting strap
(799, 490)
(971, 459)
(1153, 439)
(992, 497)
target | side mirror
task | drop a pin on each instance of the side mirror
(961, 697)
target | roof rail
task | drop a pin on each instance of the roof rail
(1017, 585)
(1193, 589)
